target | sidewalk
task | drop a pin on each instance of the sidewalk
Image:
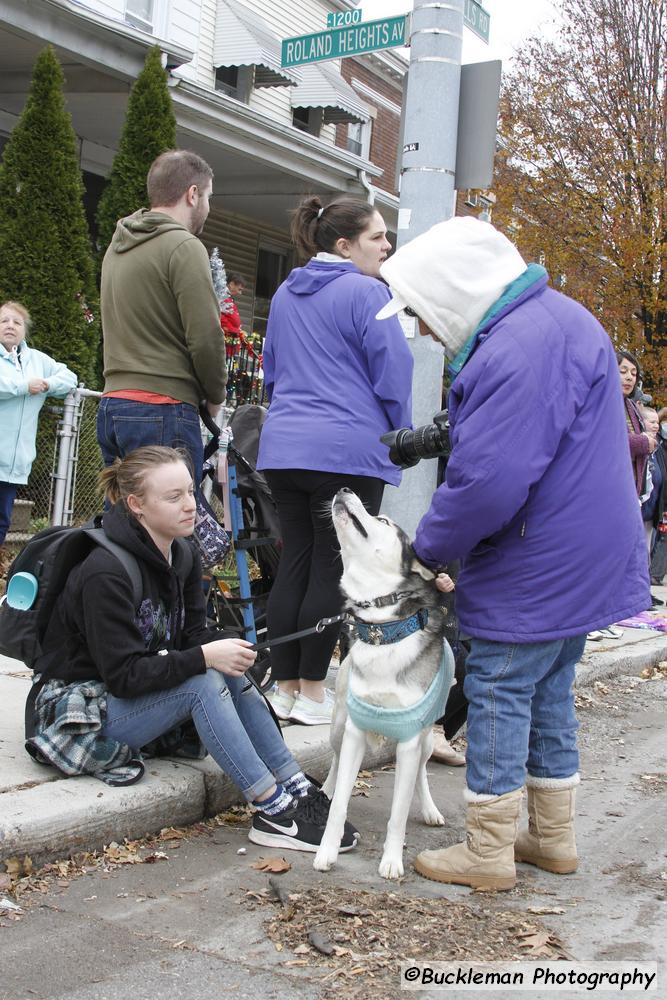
(45, 816)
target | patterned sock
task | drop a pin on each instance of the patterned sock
(298, 785)
(276, 803)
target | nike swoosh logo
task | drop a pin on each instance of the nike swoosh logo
(290, 831)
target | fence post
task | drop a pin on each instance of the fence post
(65, 436)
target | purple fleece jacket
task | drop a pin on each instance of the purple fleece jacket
(336, 377)
(539, 501)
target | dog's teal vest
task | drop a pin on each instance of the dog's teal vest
(402, 724)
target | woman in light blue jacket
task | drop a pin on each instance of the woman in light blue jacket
(27, 377)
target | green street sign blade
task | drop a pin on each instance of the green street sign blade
(477, 19)
(368, 36)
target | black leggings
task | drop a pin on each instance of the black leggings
(306, 587)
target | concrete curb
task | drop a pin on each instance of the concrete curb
(64, 816)
(628, 659)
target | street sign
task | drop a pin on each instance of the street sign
(369, 36)
(477, 19)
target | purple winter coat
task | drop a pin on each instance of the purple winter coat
(539, 501)
(336, 377)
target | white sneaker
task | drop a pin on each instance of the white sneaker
(312, 713)
(282, 703)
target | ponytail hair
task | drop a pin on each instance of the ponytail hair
(316, 227)
(127, 475)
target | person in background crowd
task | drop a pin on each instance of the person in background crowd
(230, 319)
(642, 444)
(336, 380)
(650, 506)
(521, 501)
(160, 665)
(653, 507)
(163, 353)
(659, 558)
(27, 377)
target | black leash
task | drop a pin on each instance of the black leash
(320, 627)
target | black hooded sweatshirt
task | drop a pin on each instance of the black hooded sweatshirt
(96, 633)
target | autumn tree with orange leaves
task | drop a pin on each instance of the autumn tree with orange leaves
(581, 177)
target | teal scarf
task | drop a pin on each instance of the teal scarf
(402, 724)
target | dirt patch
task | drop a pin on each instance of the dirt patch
(651, 784)
(354, 940)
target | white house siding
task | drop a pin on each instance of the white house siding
(205, 73)
(184, 17)
(238, 239)
(285, 19)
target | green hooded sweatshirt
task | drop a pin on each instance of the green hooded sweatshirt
(160, 313)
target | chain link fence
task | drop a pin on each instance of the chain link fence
(62, 488)
(63, 481)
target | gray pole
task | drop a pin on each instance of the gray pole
(427, 196)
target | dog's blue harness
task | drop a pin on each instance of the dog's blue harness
(402, 724)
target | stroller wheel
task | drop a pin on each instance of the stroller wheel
(261, 670)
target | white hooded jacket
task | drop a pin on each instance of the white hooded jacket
(450, 276)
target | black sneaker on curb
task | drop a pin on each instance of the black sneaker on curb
(299, 828)
(325, 803)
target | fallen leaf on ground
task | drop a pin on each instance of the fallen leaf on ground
(171, 833)
(546, 909)
(275, 865)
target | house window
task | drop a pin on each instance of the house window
(359, 138)
(355, 133)
(139, 13)
(273, 264)
(307, 119)
(235, 81)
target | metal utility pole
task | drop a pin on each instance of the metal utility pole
(427, 196)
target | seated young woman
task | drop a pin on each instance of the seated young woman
(161, 665)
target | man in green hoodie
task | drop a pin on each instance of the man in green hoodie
(164, 352)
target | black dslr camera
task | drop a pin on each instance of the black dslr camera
(407, 447)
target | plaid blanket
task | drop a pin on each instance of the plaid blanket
(68, 734)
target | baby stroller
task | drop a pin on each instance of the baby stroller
(251, 516)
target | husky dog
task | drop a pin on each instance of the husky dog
(399, 655)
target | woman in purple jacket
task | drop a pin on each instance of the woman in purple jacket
(336, 379)
(539, 505)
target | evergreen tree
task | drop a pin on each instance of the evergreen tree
(150, 128)
(45, 254)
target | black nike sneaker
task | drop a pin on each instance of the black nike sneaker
(299, 828)
(350, 832)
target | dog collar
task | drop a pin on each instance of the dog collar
(384, 633)
(383, 602)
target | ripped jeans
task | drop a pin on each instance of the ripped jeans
(232, 721)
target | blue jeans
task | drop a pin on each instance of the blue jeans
(232, 721)
(123, 425)
(7, 496)
(521, 712)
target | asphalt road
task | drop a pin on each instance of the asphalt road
(185, 925)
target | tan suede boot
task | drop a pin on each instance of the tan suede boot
(549, 840)
(486, 859)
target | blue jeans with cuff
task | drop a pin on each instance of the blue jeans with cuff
(232, 721)
(521, 712)
(124, 424)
